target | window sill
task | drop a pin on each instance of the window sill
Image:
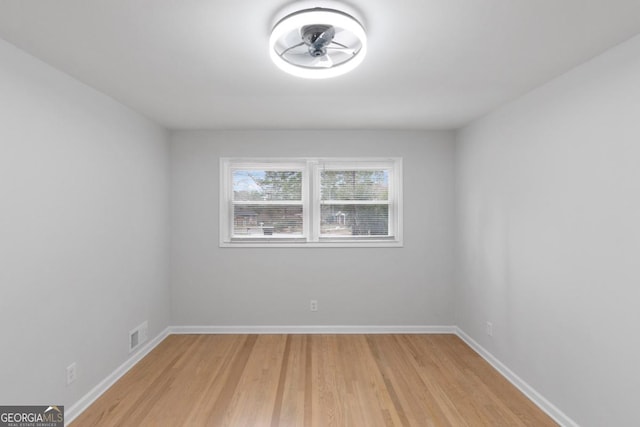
(387, 243)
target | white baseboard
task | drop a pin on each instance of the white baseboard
(551, 410)
(84, 402)
(315, 329)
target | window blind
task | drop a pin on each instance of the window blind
(354, 203)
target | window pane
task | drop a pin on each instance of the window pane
(255, 185)
(271, 221)
(354, 220)
(354, 185)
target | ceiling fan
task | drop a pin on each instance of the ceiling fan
(318, 43)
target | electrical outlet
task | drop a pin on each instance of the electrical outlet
(72, 373)
(313, 305)
(489, 328)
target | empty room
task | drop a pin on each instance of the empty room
(319, 213)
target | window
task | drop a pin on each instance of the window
(310, 202)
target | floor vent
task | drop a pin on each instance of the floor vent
(137, 336)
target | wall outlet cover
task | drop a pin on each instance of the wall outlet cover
(72, 373)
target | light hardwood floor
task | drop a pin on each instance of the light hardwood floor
(312, 380)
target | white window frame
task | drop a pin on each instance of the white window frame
(311, 204)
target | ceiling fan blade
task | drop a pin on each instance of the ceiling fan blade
(343, 49)
(290, 48)
(339, 44)
(323, 61)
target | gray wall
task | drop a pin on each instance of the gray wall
(272, 286)
(83, 231)
(548, 198)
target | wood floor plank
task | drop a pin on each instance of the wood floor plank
(415, 402)
(313, 380)
(254, 399)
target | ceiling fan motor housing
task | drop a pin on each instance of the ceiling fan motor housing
(317, 37)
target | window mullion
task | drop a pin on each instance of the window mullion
(314, 198)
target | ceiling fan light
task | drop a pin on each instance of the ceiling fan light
(350, 32)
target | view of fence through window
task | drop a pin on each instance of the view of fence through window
(267, 203)
(354, 203)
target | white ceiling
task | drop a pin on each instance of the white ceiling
(431, 64)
